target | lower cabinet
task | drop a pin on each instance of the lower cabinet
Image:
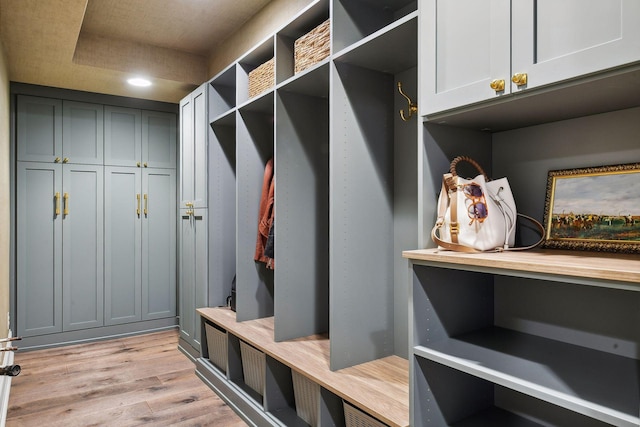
(59, 247)
(140, 241)
(193, 276)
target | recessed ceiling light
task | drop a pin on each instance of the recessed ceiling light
(139, 81)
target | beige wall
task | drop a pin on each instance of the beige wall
(5, 226)
(271, 18)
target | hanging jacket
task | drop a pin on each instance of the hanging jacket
(266, 214)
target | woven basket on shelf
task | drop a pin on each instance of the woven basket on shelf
(253, 367)
(261, 78)
(307, 398)
(217, 346)
(354, 417)
(313, 47)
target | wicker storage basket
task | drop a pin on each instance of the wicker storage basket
(261, 78)
(253, 367)
(307, 396)
(313, 47)
(217, 346)
(354, 417)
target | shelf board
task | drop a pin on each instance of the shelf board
(379, 388)
(589, 382)
(607, 269)
(313, 81)
(496, 417)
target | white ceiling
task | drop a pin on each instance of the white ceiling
(95, 45)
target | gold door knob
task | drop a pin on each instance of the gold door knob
(497, 85)
(56, 160)
(520, 79)
(138, 164)
(65, 160)
(144, 164)
(189, 204)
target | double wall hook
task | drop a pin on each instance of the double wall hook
(413, 108)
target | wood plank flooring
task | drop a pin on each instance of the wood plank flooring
(138, 380)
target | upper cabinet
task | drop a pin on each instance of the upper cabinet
(193, 149)
(82, 133)
(481, 50)
(39, 129)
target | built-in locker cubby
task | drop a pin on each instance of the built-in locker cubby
(549, 336)
(252, 60)
(354, 20)
(222, 230)
(222, 93)
(315, 15)
(255, 147)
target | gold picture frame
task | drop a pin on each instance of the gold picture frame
(594, 209)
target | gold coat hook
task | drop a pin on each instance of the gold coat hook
(413, 108)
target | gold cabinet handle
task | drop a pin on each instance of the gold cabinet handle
(146, 204)
(497, 85)
(189, 204)
(138, 208)
(56, 160)
(57, 197)
(65, 160)
(145, 164)
(138, 164)
(189, 212)
(66, 203)
(520, 79)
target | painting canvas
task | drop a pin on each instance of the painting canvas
(594, 209)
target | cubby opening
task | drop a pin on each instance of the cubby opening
(354, 20)
(315, 15)
(255, 146)
(252, 60)
(222, 197)
(222, 94)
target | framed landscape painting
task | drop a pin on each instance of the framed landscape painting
(594, 209)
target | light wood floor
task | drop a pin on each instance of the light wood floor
(140, 380)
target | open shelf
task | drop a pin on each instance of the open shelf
(601, 385)
(222, 94)
(252, 60)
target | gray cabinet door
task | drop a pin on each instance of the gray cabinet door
(193, 272)
(554, 41)
(159, 148)
(83, 133)
(122, 136)
(123, 245)
(193, 149)
(158, 243)
(82, 256)
(465, 45)
(39, 129)
(39, 248)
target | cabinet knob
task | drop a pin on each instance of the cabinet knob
(497, 85)
(520, 79)
(144, 164)
(56, 160)
(189, 204)
(138, 164)
(65, 160)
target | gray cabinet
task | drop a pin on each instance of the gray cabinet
(139, 138)
(476, 51)
(82, 133)
(39, 129)
(193, 149)
(140, 244)
(193, 278)
(59, 247)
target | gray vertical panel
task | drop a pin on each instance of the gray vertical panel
(159, 139)
(187, 273)
(39, 123)
(82, 270)
(302, 216)
(122, 136)
(158, 244)
(222, 211)
(39, 249)
(186, 151)
(361, 216)
(254, 282)
(83, 132)
(122, 258)
(405, 208)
